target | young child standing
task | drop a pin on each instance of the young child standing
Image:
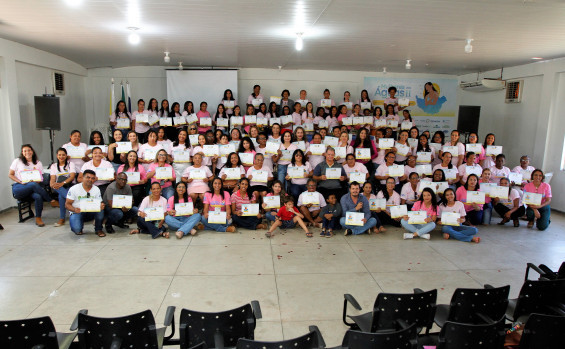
(287, 217)
(330, 216)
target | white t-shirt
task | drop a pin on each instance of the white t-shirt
(514, 194)
(458, 207)
(306, 168)
(78, 192)
(90, 166)
(408, 194)
(313, 207)
(253, 169)
(62, 171)
(393, 200)
(358, 167)
(18, 166)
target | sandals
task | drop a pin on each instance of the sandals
(476, 239)
(100, 234)
(329, 234)
(446, 236)
(309, 234)
(165, 234)
(530, 224)
(323, 232)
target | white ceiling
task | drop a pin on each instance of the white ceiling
(338, 34)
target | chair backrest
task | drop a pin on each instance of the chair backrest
(307, 341)
(537, 296)
(455, 335)
(229, 326)
(466, 303)
(404, 339)
(411, 308)
(28, 333)
(133, 331)
(543, 331)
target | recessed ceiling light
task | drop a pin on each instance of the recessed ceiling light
(537, 58)
(133, 38)
(167, 59)
(408, 65)
(469, 47)
(299, 42)
(73, 3)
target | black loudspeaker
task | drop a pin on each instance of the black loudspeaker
(47, 113)
(468, 118)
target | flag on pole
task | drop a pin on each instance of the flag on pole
(123, 94)
(128, 91)
(112, 97)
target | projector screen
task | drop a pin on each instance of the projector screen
(200, 86)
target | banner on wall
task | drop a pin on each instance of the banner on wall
(433, 103)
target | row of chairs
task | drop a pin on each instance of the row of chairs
(475, 318)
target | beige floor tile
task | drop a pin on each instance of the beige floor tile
(298, 236)
(20, 234)
(240, 237)
(123, 238)
(332, 330)
(21, 295)
(501, 277)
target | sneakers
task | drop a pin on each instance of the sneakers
(408, 236)
(425, 236)
(323, 232)
(348, 232)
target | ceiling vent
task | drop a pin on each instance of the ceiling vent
(59, 83)
(483, 85)
(514, 91)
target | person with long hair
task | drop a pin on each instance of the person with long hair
(487, 161)
(132, 165)
(458, 232)
(367, 191)
(258, 189)
(262, 149)
(167, 184)
(62, 174)
(539, 214)
(180, 145)
(233, 162)
(113, 156)
(228, 101)
(276, 190)
(148, 150)
(120, 113)
(392, 199)
(510, 208)
(153, 111)
(203, 113)
(286, 149)
(469, 166)
(240, 197)
(447, 164)
(96, 139)
(402, 142)
(438, 140)
(184, 225)
(473, 138)
(298, 185)
(188, 110)
(331, 118)
(326, 97)
(454, 141)
(427, 203)
(247, 147)
(154, 199)
(217, 199)
(221, 113)
(255, 96)
(140, 128)
(76, 150)
(474, 210)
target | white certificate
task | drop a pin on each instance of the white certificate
(493, 150)
(308, 127)
(246, 158)
(475, 197)
(211, 150)
(348, 105)
(262, 121)
(119, 201)
(302, 102)
(166, 121)
(375, 204)
(275, 99)
(476, 170)
(272, 201)
(184, 209)
(153, 119)
(310, 197)
(222, 122)
(323, 124)
(406, 125)
(516, 178)
(379, 123)
(205, 121)
(365, 105)
(450, 173)
(403, 102)
(474, 148)
(286, 119)
(436, 147)
(423, 156)
(396, 170)
(104, 173)
(142, 118)
(317, 149)
(123, 147)
(526, 175)
(402, 149)
(362, 153)
(348, 121)
(441, 187)
(452, 149)
(427, 184)
(354, 218)
(179, 120)
(392, 124)
(197, 173)
(273, 121)
(358, 120)
(300, 145)
(235, 144)
(331, 141)
(260, 176)
(424, 170)
(532, 198)
(30, 176)
(154, 213)
(191, 119)
(236, 120)
(232, 173)
(450, 218)
(104, 148)
(340, 152)
(272, 148)
(75, 152)
(256, 102)
(325, 103)
(226, 149)
(229, 104)
(193, 139)
(150, 154)
(90, 205)
(122, 123)
(181, 155)
(368, 120)
(499, 192)
(333, 173)
(217, 217)
(398, 211)
(485, 188)
(164, 172)
(133, 177)
(357, 177)
(413, 142)
(417, 217)
(250, 209)
(295, 172)
(250, 119)
(386, 143)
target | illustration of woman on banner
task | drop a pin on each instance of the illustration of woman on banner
(432, 102)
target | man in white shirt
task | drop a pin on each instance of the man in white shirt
(84, 190)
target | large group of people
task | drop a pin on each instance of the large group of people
(350, 165)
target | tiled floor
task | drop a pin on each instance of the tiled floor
(298, 281)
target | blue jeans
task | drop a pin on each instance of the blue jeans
(168, 192)
(461, 233)
(371, 222)
(149, 227)
(545, 214)
(271, 216)
(419, 229)
(330, 223)
(487, 213)
(281, 174)
(212, 226)
(76, 220)
(33, 190)
(475, 217)
(183, 223)
(116, 215)
(62, 199)
(297, 189)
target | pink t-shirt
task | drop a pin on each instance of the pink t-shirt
(306, 168)
(408, 194)
(217, 201)
(62, 171)
(420, 206)
(171, 202)
(544, 189)
(497, 174)
(458, 207)
(78, 162)
(393, 200)
(358, 167)
(292, 148)
(162, 202)
(140, 127)
(140, 169)
(200, 114)
(252, 169)
(514, 194)
(168, 182)
(18, 166)
(296, 118)
(197, 185)
(461, 195)
(103, 164)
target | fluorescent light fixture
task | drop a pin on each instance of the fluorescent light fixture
(299, 42)
(537, 58)
(408, 65)
(469, 47)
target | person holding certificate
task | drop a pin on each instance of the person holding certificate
(298, 183)
(392, 119)
(282, 159)
(367, 191)
(120, 118)
(287, 217)
(203, 113)
(207, 161)
(402, 148)
(217, 209)
(268, 158)
(104, 170)
(484, 160)
(510, 208)
(189, 114)
(473, 139)
(352, 166)
(426, 203)
(330, 184)
(151, 214)
(113, 156)
(181, 214)
(326, 102)
(314, 159)
(354, 202)
(241, 197)
(343, 142)
(499, 171)
(140, 121)
(93, 207)
(276, 191)
(262, 118)
(62, 174)
(363, 140)
(382, 172)
(410, 193)
(27, 173)
(392, 199)
(161, 171)
(76, 150)
(197, 176)
(247, 147)
(447, 166)
(181, 153)
(222, 114)
(474, 210)
(452, 214)
(153, 111)
(256, 98)
(538, 213)
(454, 142)
(137, 177)
(228, 101)
(96, 139)
(423, 147)
(310, 204)
(470, 166)
(232, 172)
(487, 207)
(174, 117)
(525, 169)
(148, 151)
(309, 117)
(259, 175)
(116, 213)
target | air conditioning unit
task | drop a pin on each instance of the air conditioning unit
(59, 83)
(514, 91)
(483, 85)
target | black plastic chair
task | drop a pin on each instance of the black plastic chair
(24, 209)
(474, 306)
(392, 310)
(456, 335)
(403, 339)
(35, 333)
(543, 331)
(545, 273)
(131, 331)
(542, 297)
(218, 330)
(311, 340)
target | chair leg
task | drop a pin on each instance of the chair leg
(24, 211)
